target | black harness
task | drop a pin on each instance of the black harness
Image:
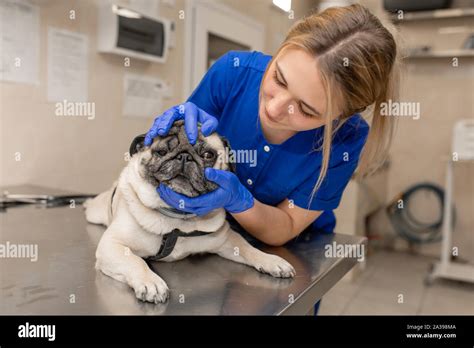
(169, 240)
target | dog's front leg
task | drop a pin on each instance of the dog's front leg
(237, 249)
(119, 262)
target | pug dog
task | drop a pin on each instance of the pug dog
(142, 227)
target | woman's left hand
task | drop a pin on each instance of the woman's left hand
(230, 195)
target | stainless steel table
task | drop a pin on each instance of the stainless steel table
(63, 279)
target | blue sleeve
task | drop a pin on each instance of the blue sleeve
(337, 177)
(212, 92)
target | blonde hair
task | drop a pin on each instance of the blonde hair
(359, 69)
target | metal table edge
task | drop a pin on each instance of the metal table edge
(304, 302)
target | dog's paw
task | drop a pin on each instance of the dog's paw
(275, 266)
(151, 289)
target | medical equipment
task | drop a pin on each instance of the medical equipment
(463, 150)
(10, 200)
(406, 222)
(129, 33)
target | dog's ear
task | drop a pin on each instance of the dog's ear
(232, 167)
(137, 144)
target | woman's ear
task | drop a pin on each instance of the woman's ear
(137, 144)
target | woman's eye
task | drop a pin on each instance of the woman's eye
(278, 82)
(208, 155)
(305, 113)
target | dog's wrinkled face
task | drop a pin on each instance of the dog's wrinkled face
(173, 161)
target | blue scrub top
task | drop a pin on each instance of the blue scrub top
(230, 92)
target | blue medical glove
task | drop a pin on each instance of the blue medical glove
(191, 115)
(230, 195)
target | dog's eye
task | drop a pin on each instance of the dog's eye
(208, 155)
(160, 152)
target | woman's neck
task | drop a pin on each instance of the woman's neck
(276, 136)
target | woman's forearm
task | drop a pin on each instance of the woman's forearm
(269, 224)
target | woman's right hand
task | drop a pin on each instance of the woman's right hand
(191, 115)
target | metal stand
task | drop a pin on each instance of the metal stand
(463, 146)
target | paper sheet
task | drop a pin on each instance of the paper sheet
(143, 96)
(67, 66)
(19, 41)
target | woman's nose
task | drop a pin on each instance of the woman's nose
(278, 106)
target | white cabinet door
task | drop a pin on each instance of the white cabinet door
(212, 30)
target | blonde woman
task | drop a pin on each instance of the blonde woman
(297, 115)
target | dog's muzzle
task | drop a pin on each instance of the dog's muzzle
(167, 211)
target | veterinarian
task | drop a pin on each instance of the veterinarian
(299, 111)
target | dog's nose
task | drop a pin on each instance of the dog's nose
(184, 157)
